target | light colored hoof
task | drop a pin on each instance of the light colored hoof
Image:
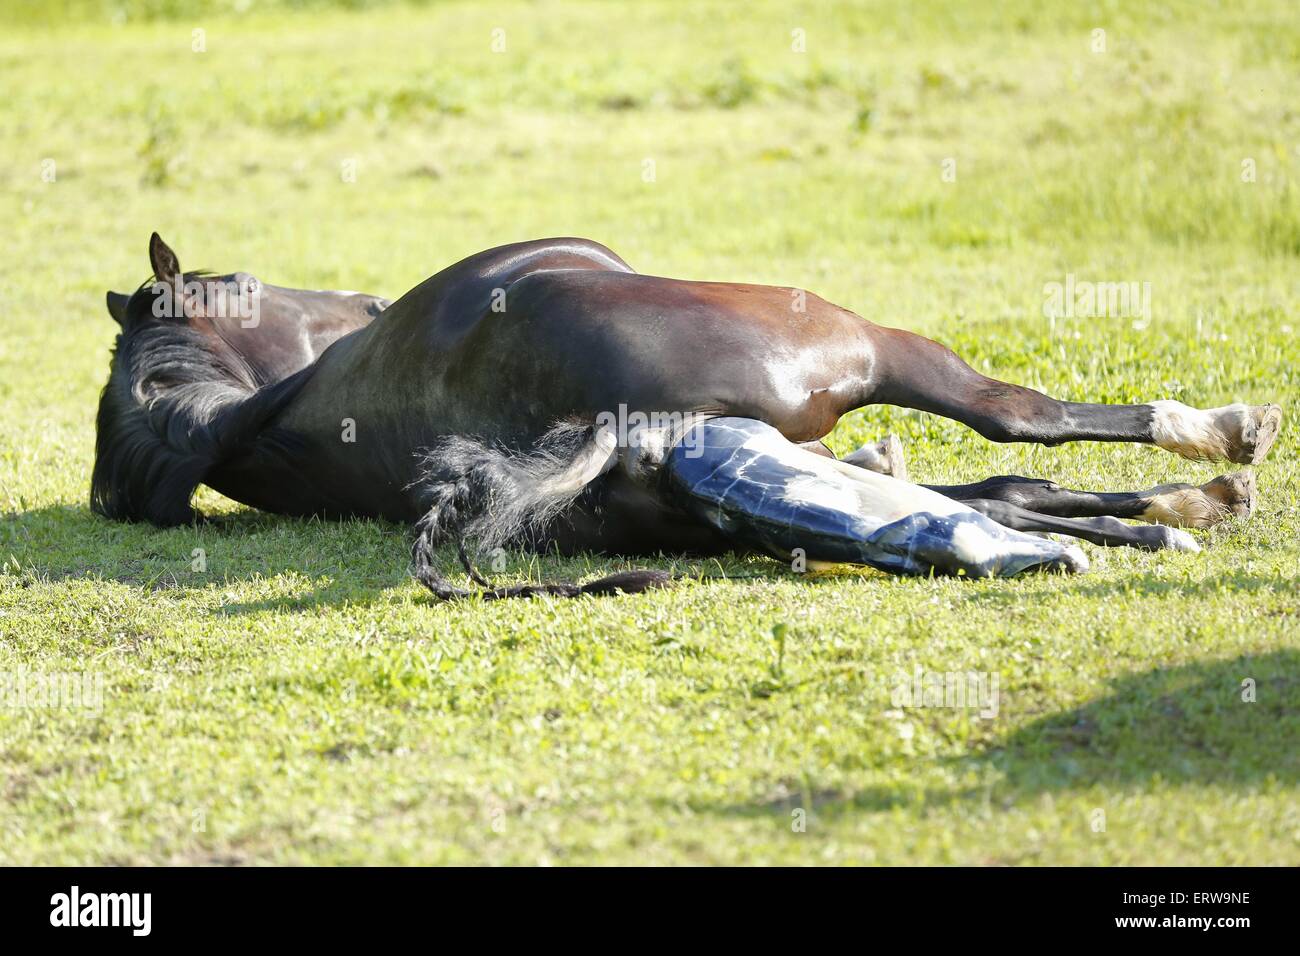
(1238, 433)
(1258, 435)
(893, 451)
(885, 457)
(1072, 560)
(1177, 540)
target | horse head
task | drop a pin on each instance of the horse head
(194, 351)
(274, 330)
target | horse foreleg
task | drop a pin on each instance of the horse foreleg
(915, 372)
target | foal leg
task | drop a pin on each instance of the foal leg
(1180, 505)
(1107, 532)
(915, 372)
(743, 478)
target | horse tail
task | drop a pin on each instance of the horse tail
(493, 497)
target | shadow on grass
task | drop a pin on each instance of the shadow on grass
(357, 561)
(354, 562)
(354, 559)
(1188, 724)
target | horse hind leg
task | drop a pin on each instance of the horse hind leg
(915, 372)
(745, 479)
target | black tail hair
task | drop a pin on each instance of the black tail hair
(494, 497)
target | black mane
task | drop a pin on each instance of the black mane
(177, 402)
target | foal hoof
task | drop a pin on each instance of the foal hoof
(1172, 539)
(1074, 561)
(885, 457)
(1260, 430)
(1071, 561)
(893, 452)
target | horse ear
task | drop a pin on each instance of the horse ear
(165, 264)
(117, 306)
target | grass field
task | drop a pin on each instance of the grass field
(931, 166)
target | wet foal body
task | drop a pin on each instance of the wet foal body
(506, 343)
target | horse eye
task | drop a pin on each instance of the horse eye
(252, 286)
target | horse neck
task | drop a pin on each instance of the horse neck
(293, 328)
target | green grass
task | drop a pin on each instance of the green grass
(300, 700)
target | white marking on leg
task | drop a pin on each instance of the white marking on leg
(1194, 433)
(1183, 508)
(1239, 432)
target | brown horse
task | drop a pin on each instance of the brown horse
(545, 394)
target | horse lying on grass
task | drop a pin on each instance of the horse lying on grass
(545, 395)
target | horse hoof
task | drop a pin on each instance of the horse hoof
(1238, 433)
(1071, 561)
(885, 457)
(892, 449)
(1215, 501)
(1259, 434)
(1234, 494)
(1255, 428)
(1176, 540)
